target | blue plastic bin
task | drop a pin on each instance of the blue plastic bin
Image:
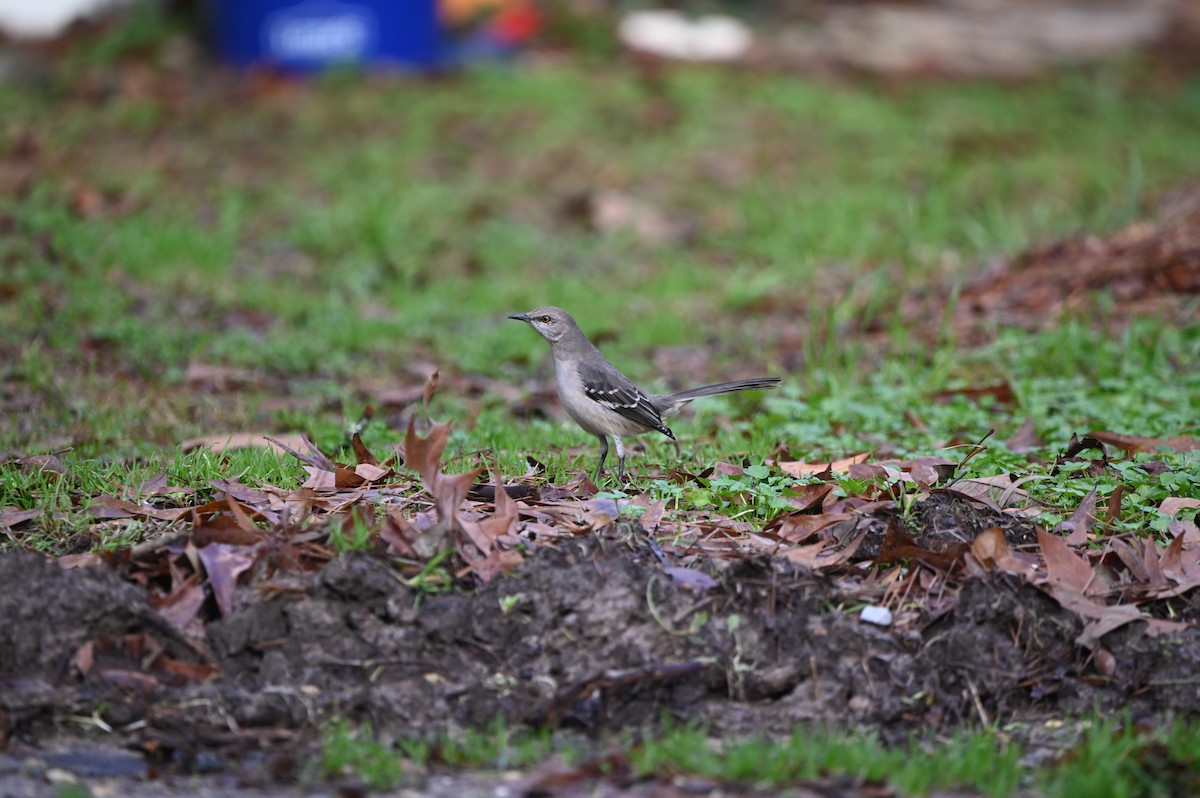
(316, 34)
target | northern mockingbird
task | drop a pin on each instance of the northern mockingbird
(601, 399)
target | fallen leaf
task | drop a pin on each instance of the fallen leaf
(999, 491)
(1170, 506)
(1113, 510)
(85, 559)
(928, 471)
(399, 534)
(1002, 393)
(42, 464)
(1150, 558)
(808, 497)
(799, 528)
(223, 528)
(1026, 438)
(223, 563)
(423, 455)
(181, 606)
(899, 546)
(315, 457)
(802, 469)
(989, 546)
(371, 472)
(1131, 560)
(431, 383)
(1076, 527)
(85, 658)
(11, 516)
(690, 578)
(181, 672)
(111, 507)
(243, 493)
(1064, 567)
(1133, 444)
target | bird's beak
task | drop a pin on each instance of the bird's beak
(520, 316)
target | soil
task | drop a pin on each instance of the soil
(593, 635)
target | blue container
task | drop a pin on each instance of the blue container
(315, 34)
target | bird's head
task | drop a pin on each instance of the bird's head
(551, 323)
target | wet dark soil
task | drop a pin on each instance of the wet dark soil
(593, 636)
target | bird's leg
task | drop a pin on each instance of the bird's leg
(603, 455)
(620, 460)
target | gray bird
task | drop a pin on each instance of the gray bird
(600, 398)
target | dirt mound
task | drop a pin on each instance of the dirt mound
(593, 636)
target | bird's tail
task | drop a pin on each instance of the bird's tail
(673, 402)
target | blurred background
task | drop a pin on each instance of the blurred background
(269, 213)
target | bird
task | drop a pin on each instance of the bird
(602, 400)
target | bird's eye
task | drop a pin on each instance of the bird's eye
(545, 319)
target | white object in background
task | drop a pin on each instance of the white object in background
(880, 616)
(672, 35)
(43, 19)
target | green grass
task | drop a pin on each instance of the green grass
(1107, 759)
(334, 237)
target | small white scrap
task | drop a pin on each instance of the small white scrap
(880, 616)
(670, 34)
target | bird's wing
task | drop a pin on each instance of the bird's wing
(610, 388)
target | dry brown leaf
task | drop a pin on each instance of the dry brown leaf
(399, 534)
(1026, 438)
(898, 546)
(799, 528)
(11, 516)
(42, 464)
(431, 383)
(223, 563)
(1170, 506)
(1064, 567)
(819, 556)
(799, 468)
(85, 657)
(999, 491)
(991, 550)
(807, 555)
(424, 456)
(989, 547)
(320, 480)
(1001, 393)
(498, 561)
(924, 473)
(108, 507)
(156, 486)
(1150, 557)
(361, 453)
(347, 478)
(1131, 560)
(243, 493)
(1101, 619)
(241, 516)
(371, 472)
(181, 606)
(1171, 562)
(1112, 512)
(1076, 527)
(85, 559)
(1132, 444)
(809, 497)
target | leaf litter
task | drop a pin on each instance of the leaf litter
(471, 599)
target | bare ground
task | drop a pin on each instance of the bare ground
(591, 635)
